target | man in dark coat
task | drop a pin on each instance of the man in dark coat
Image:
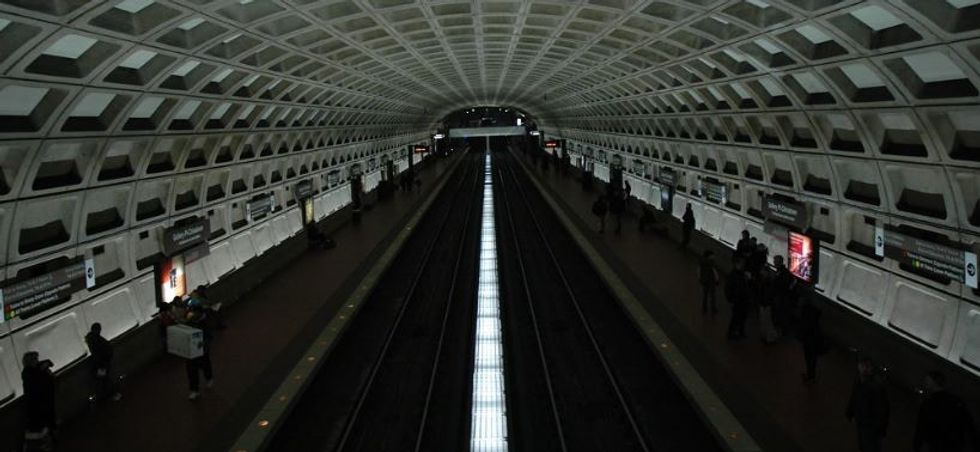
(101, 350)
(688, 227)
(742, 249)
(812, 339)
(708, 277)
(944, 424)
(868, 407)
(617, 206)
(737, 292)
(599, 209)
(39, 391)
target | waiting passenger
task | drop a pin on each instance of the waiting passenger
(617, 206)
(708, 277)
(737, 294)
(742, 249)
(945, 424)
(627, 191)
(687, 228)
(39, 391)
(197, 318)
(868, 407)
(812, 339)
(101, 350)
(599, 209)
(783, 295)
(764, 294)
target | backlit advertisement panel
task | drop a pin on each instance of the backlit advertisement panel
(804, 254)
(173, 281)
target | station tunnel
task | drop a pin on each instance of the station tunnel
(448, 225)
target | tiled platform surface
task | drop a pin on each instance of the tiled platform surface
(760, 383)
(265, 330)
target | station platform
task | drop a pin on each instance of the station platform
(267, 330)
(761, 384)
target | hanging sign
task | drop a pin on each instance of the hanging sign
(928, 256)
(668, 177)
(182, 237)
(260, 207)
(715, 191)
(789, 213)
(26, 297)
(303, 189)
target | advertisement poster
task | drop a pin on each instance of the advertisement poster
(307, 210)
(173, 281)
(803, 257)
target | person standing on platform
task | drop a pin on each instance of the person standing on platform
(599, 209)
(627, 191)
(811, 338)
(39, 398)
(868, 407)
(783, 284)
(743, 246)
(765, 296)
(708, 277)
(617, 205)
(197, 318)
(687, 228)
(101, 350)
(944, 424)
(737, 293)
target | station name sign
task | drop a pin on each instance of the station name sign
(180, 238)
(259, 207)
(789, 213)
(939, 259)
(303, 189)
(668, 177)
(715, 191)
(26, 297)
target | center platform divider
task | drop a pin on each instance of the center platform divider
(728, 431)
(268, 419)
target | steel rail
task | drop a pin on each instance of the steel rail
(410, 296)
(575, 303)
(534, 319)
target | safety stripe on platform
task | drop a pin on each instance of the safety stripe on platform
(277, 408)
(729, 432)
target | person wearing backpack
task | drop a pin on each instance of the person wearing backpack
(600, 209)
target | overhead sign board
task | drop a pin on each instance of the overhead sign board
(668, 177)
(26, 297)
(181, 237)
(260, 207)
(303, 189)
(789, 213)
(927, 256)
(715, 191)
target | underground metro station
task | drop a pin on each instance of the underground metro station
(494, 226)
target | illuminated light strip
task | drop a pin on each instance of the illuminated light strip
(488, 431)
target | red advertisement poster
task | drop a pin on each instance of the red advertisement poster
(173, 282)
(803, 255)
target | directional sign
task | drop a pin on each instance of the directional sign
(26, 297)
(928, 256)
